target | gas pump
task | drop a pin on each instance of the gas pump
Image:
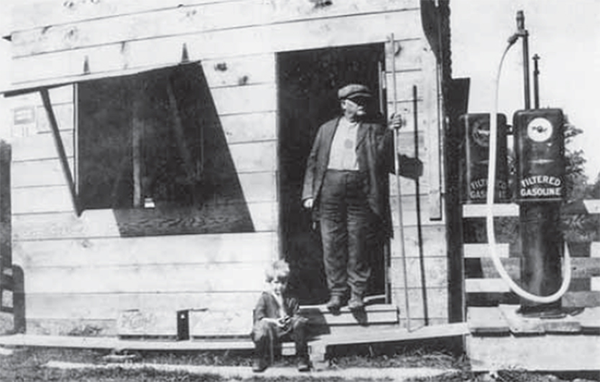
(540, 168)
(539, 149)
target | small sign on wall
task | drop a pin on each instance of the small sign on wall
(24, 121)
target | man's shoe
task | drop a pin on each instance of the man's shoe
(303, 364)
(356, 303)
(334, 304)
(259, 365)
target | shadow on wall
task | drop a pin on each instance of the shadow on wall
(152, 148)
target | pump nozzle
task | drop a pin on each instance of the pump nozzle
(512, 39)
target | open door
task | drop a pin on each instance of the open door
(308, 84)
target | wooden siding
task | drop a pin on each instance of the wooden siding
(300, 30)
(99, 277)
(218, 13)
(102, 271)
(436, 278)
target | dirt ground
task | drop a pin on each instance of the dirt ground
(28, 364)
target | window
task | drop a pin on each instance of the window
(140, 140)
(151, 147)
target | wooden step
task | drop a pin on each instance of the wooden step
(198, 324)
(322, 321)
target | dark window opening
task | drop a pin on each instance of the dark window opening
(140, 140)
(151, 147)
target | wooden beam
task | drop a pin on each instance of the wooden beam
(478, 210)
(581, 268)
(61, 150)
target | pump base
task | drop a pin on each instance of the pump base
(502, 339)
(542, 311)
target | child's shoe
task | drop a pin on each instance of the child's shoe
(259, 365)
(303, 364)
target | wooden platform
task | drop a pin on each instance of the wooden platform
(501, 338)
(317, 346)
(199, 324)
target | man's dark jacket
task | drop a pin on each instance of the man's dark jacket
(374, 153)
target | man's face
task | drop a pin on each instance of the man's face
(355, 108)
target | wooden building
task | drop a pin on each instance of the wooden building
(158, 148)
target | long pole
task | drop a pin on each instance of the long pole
(386, 248)
(397, 171)
(418, 203)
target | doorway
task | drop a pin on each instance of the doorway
(308, 83)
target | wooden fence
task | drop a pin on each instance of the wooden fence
(482, 283)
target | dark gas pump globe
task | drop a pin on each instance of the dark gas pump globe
(539, 150)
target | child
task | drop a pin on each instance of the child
(276, 318)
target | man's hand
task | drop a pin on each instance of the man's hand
(396, 122)
(308, 203)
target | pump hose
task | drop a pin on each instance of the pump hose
(491, 181)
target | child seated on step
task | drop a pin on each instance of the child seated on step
(276, 319)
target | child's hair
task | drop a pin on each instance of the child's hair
(279, 270)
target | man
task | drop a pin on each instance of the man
(347, 186)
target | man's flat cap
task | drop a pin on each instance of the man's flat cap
(354, 91)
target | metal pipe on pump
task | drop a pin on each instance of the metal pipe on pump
(539, 144)
(524, 35)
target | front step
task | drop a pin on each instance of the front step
(322, 321)
(198, 324)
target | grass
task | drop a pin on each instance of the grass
(27, 365)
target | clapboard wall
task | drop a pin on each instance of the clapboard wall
(80, 271)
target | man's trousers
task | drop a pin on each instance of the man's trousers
(345, 218)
